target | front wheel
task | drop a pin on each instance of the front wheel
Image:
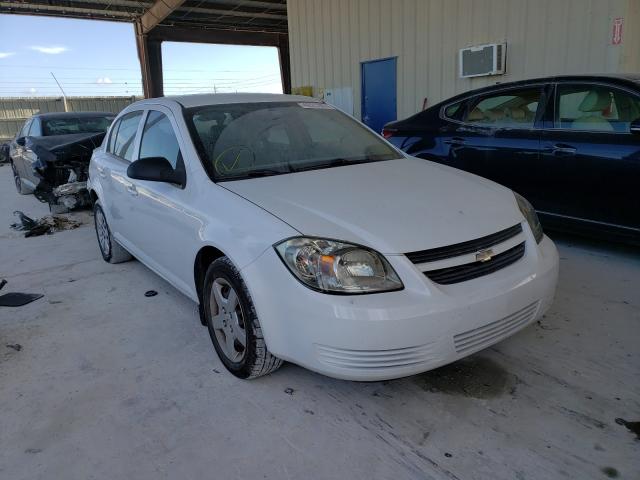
(233, 323)
(111, 250)
(17, 180)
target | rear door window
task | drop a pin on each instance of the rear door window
(507, 109)
(126, 135)
(112, 138)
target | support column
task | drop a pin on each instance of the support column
(285, 62)
(150, 57)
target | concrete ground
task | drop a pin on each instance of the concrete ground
(110, 384)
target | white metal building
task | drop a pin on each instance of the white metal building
(330, 40)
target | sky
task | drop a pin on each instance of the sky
(95, 58)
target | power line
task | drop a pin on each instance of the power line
(121, 68)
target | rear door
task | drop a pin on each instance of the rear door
(498, 137)
(592, 156)
(118, 191)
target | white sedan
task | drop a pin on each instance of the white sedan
(304, 236)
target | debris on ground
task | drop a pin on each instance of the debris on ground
(610, 472)
(15, 299)
(289, 391)
(632, 426)
(43, 226)
(150, 293)
(14, 346)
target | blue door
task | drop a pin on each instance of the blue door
(379, 92)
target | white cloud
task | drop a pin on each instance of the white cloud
(49, 50)
(6, 54)
(103, 80)
(32, 90)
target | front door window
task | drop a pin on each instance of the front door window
(595, 108)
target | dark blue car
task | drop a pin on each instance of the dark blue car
(571, 145)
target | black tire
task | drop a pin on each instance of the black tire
(111, 250)
(17, 180)
(256, 360)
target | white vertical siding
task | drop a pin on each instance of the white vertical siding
(329, 38)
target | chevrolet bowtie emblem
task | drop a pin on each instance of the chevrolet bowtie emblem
(484, 255)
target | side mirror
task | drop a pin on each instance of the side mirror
(156, 169)
(20, 141)
(634, 127)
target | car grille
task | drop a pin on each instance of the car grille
(491, 333)
(469, 271)
(463, 248)
(375, 359)
(455, 273)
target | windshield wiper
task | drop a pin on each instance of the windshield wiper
(263, 172)
(336, 162)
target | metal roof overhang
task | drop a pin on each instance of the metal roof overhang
(237, 22)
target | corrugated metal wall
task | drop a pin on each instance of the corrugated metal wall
(329, 38)
(15, 110)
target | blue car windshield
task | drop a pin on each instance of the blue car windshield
(237, 141)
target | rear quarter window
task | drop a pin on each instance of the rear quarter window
(453, 111)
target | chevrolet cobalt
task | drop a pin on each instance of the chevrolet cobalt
(303, 236)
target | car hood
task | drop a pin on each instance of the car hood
(394, 206)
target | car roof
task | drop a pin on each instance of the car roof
(54, 115)
(623, 79)
(200, 100)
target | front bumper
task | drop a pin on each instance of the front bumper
(395, 334)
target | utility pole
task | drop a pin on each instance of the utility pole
(64, 96)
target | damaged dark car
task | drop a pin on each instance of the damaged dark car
(50, 156)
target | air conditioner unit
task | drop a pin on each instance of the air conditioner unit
(482, 60)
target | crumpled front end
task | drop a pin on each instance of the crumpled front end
(61, 163)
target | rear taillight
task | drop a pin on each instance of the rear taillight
(388, 133)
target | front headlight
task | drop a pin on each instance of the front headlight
(531, 216)
(337, 267)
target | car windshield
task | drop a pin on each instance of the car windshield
(70, 125)
(247, 140)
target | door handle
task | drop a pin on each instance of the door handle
(131, 188)
(455, 141)
(101, 171)
(562, 150)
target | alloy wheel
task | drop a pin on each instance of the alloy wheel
(227, 319)
(102, 229)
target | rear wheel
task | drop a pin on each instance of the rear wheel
(233, 323)
(111, 250)
(17, 180)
